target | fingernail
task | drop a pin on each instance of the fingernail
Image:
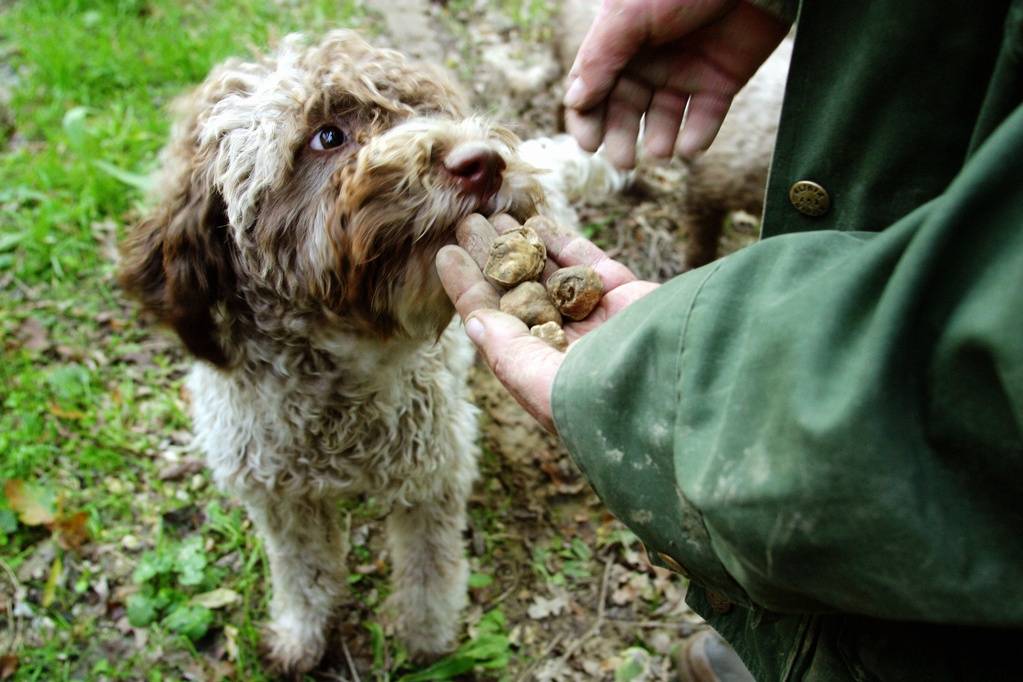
(474, 328)
(574, 94)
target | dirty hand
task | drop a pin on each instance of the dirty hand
(525, 364)
(663, 58)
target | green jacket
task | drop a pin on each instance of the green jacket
(824, 431)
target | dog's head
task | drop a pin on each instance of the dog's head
(324, 177)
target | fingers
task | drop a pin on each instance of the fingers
(464, 282)
(663, 120)
(522, 362)
(568, 249)
(620, 31)
(703, 121)
(625, 107)
(564, 248)
(474, 234)
(525, 364)
(586, 127)
(610, 305)
(614, 37)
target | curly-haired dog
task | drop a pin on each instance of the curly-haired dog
(300, 204)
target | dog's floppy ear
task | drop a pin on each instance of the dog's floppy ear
(178, 263)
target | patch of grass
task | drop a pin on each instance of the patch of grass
(89, 399)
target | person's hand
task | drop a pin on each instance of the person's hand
(663, 58)
(525, 364)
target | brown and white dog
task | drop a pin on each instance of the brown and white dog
(300, 204)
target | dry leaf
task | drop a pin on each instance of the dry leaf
(33, 335)
(218, 598)
(231, 646)
(29, 503)
(8, 666)
(180, 469)
(70, 531)
(58, 411)
(543, 607)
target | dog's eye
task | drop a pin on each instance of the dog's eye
(327, 137)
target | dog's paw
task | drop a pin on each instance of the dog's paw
(291, 647)
(426, 635)
(426, 647)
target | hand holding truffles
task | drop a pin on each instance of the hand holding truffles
(526, 368)
(516, 259)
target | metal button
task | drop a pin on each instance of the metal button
(809, 198)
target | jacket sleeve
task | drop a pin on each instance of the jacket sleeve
(829, 421)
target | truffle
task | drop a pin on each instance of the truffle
(529, 302)
(550, 332)
(515, 257)
(575, 290)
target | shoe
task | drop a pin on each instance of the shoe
(706, 657)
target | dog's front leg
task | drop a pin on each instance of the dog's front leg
(307, 551)
(430, 572)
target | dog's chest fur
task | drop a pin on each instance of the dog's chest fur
(336, 414)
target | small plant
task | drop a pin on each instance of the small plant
(489, 650)
(561, 562)
(168, 577)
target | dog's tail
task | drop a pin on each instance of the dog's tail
(571, 175)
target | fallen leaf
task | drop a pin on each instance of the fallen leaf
(636, 586)
(231, 635)
(33, 335)
(180, 469)
(30, 503)
(542, 607)
(218, 598)
(71, 531)
(8, 666)
(58, 411)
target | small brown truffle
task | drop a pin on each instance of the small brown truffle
(515, 257)
(528, 302)
(553, 334)
(575, 290)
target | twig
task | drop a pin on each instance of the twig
(645, 623)
(598, 621)
(12, 618)
(349, 661)
(543, 655)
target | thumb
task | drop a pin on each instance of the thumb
(612, 40)
(525, 364)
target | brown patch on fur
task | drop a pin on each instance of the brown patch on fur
(178, 264)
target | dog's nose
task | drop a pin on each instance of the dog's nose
(476, 168)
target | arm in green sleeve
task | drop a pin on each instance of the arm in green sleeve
(829, 421)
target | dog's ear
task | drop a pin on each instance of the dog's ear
(178, 262)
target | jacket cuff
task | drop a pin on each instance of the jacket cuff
(615, 402)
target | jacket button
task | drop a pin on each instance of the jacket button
(809, 198)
